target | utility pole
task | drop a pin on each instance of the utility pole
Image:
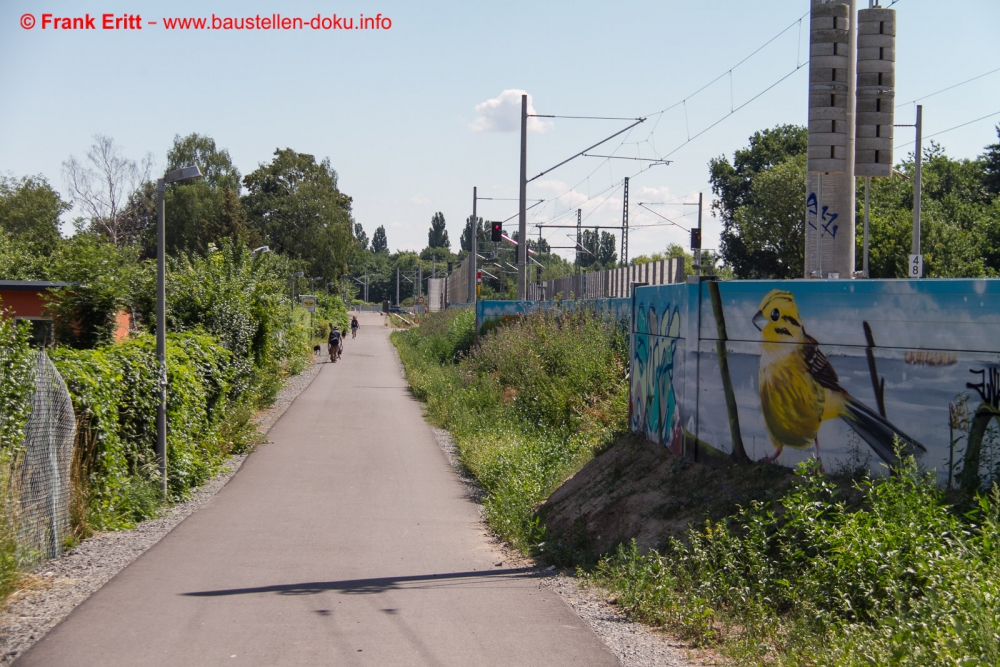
(522, 219)
(474, 249)
(624, 257)
(697, 263)
(864, 260)
(397, 287)
(366, 285)
(579, 238)
(917, 271)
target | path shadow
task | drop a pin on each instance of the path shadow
(380, 585)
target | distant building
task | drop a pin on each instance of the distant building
(25, 300)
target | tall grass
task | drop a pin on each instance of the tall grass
(899, 579)
(528, 404)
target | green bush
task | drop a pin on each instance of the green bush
(528, 405)
(16, 389)
(899, 578)
(114, 392)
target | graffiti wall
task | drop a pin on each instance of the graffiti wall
(851, 371)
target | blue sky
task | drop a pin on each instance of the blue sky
(396, 110)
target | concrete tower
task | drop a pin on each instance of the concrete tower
(832, 100)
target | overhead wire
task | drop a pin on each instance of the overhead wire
(970, 122)
(943, 90)
(650, 138)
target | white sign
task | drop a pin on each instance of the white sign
(916, 266)
(309, 302)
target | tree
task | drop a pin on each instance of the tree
(465, 242)
(991, 165)
(437, 237)
(379, 243)
(436, 254)
(732, 183)
(295, 205)
(606, 253)
(769, 225)
(216, 165)
(359, 234)
(30, 210)
(103, 185)
(960, 219)
(203, 211)
(105, 280)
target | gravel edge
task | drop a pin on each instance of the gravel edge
(57, 586)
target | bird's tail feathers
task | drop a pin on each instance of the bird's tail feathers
(879, 432)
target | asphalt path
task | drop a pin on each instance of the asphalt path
(348, 540)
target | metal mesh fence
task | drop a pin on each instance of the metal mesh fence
(42, 471)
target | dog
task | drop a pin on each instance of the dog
(316, 349)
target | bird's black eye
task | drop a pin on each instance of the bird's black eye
(775, 315)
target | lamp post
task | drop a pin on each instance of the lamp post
(175, 176)
(291, 284)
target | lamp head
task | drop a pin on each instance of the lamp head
(183, 174)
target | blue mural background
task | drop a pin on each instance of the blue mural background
(937, 348)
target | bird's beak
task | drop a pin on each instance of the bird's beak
(759, 321)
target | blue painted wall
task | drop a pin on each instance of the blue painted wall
(937, 349)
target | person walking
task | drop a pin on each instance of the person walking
(334, 343)
(354, 326)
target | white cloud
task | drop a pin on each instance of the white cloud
(503, 114)
(649, 194)
(420, 199)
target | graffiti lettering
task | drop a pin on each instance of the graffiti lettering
(989, 388)
(811, 203)
(828, 219)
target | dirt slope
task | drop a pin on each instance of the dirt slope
(637, 489)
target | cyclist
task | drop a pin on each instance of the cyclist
(354, 326)
(334, 344)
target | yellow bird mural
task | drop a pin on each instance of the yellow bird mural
(799, 388)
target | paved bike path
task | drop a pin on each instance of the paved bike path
(346, 541)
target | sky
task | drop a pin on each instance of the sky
(414, 115)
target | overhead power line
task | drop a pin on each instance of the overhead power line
(970, 122)
(659, 114)
(728, 72)
(943, 90)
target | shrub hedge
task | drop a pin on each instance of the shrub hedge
(115, 398)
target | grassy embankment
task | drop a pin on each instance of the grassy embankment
(829, 572)
(527, 406)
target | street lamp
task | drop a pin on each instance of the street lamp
(260, 250)
(175, 176)
(291, 281)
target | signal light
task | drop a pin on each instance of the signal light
(497, 234)
(696, 238)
